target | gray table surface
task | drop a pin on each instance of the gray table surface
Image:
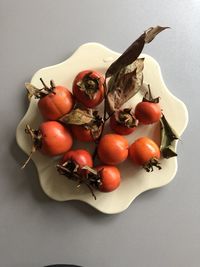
(161, 228)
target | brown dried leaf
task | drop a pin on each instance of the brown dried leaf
(32, 90)
(134, 50)
(151, 33)
(36, 92)
(124, 85)
(78, 117)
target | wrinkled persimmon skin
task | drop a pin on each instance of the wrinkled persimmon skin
(56, 139)
(81, 96)
(112, 149)
(143, 150)
(110, 178)
(82, 134)
(148, 112)
(79, 156)
(57, 104)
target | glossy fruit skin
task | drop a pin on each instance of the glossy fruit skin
(81, 133)
(112, 149)
(143, 150)
(55, 105)
(81, 96)
(118, 128)
(110, 178)
(148, 112)
(79, 156)
(56, 139)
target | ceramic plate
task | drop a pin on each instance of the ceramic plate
(135, 180)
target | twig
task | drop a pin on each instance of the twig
(44, 84)
(76, 177)
(104, 120)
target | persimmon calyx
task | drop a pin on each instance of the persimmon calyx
(149, 166)
(126, 118)
(89, 85)
(40, 93)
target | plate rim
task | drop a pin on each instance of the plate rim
(186, 116)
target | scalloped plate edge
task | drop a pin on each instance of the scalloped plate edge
(18, 130)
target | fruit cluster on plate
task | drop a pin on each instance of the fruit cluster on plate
(68, 116)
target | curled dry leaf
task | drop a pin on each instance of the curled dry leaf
(36, 138)
(151, 33)
(134, 50)
(168, 135)
(88, 118)
(70, 171)
(39, 93)
(124, 85)
(32, 91)
(78, 117)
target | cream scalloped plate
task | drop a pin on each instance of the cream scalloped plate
(135, 180)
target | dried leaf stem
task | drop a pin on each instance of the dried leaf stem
(104, 121)
(75, 176)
